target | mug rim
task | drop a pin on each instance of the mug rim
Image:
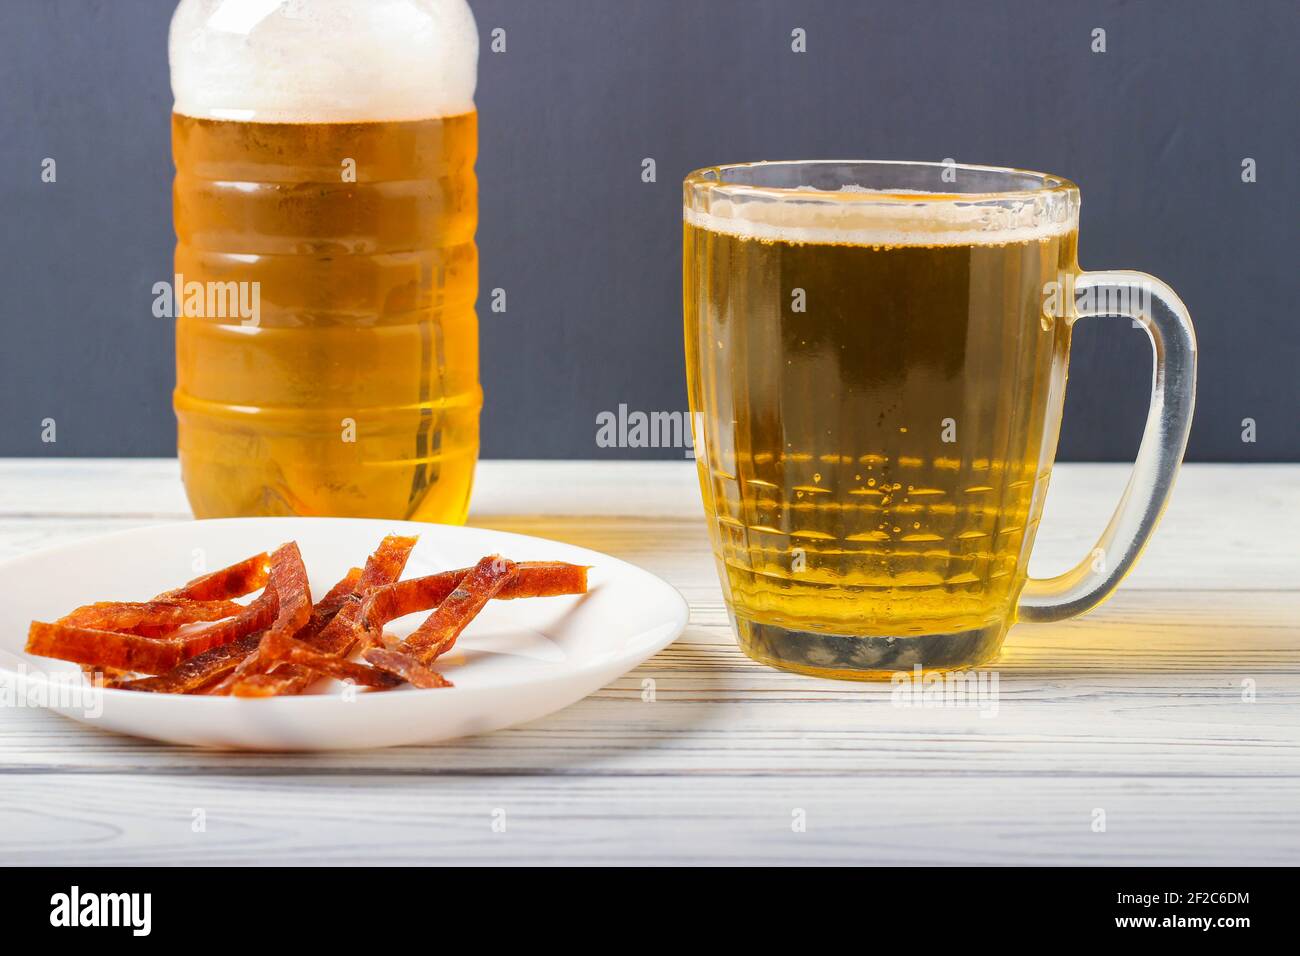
(711, 178)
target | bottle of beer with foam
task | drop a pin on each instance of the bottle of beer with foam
(325, 275)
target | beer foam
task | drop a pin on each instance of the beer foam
(848, 217)
(323, 61)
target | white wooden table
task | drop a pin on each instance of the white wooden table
(1142, 710)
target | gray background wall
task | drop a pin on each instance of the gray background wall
(1154, 130)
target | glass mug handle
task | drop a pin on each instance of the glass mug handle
(1173, 393)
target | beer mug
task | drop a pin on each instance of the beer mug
(325, 184)
(876, 356)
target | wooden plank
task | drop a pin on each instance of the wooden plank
(105, 487)
(1140, 729)
(933, 818)
(151, 488)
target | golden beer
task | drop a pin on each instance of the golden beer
(357, 391)
(324, 158)
(877, 412)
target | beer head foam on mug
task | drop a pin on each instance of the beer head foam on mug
(293, 61)
(847, 217)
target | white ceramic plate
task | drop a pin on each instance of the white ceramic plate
(518, 660)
